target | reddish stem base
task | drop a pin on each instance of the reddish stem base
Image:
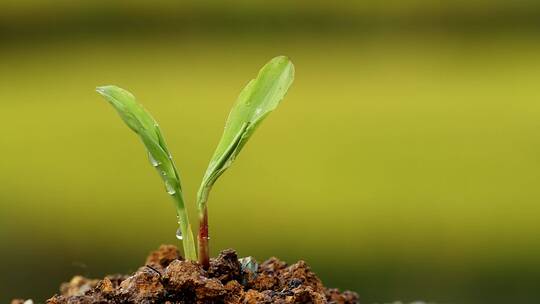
(204, 252)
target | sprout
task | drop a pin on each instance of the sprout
(260, 97)
(142, 123)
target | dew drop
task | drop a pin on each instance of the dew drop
(170, 188)
(179, 234)
(153, 161)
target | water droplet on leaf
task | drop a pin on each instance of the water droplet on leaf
(153, 161)
(179, 234)
(170, 188)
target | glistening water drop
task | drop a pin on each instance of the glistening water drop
(153, 161)
(170, 188)
(179, 234)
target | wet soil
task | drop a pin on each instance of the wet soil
(168, 278)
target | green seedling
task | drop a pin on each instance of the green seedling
(142, 123)
(260, 97)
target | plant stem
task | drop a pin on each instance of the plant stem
(183, 221)
(204, 254)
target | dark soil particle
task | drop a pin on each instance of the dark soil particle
(168, 278)
(226, 267)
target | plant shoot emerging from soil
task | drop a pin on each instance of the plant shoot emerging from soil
(260, 97)
(142, 123)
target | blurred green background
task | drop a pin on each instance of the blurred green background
(403, 164)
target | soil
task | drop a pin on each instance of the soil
(168, 278)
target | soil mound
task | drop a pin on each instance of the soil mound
(168, 278)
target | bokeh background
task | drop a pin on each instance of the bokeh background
(403, 164)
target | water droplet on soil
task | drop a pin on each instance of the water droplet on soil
(249, 264)
(179, 234)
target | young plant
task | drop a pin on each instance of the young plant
(142, 123)
(260, 97)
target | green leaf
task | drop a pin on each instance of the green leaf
(260, 97)
(142, 123)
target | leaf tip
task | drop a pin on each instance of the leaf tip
(114, 92)
(105, 90)
(284, 61)
(281, 58)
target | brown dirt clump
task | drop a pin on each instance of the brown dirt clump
(168, 278)
(162, 257)
(226, 267)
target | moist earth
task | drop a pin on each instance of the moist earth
(168, 278)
